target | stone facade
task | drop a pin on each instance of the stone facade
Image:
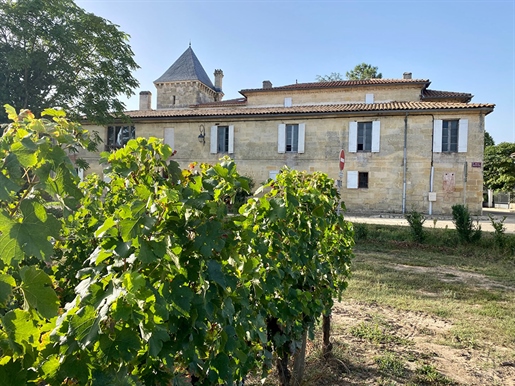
(406, 167)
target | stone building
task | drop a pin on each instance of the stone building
(407, 147)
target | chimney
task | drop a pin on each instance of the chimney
(219, 74)
(145, 100)
(267, 84)
(406, 75)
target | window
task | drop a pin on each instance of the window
(450, 136)
(291, 138)
(118, 136)
(363, 180)
(357, 180)
(222, 139)
(364, 136)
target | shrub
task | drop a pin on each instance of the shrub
(360, 231)
(466, 230)
(416, 221)
(499, 230)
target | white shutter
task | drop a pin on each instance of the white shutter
(437, 136)
(80, 173)
(281, 138)
(463, 132)
(287, 102)
(376, 135)
(369, 98)
(231, 139)
(214, 140)
(169, 137)
(352, 180)
(302, 135)
(353, 137)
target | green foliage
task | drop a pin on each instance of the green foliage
(465, 228)
(360, 231)
(54, 53)
(147, 278)
(416, 222)
(363, 71)
(333, 77)
(499, 167)
(489, 141)
(499, 230)
(390, 364)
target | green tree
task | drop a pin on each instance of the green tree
(363, 71)
(489, 141)
(499, 167)
(54, 53)
(335, 76)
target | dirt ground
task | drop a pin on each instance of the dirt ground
(418, 339)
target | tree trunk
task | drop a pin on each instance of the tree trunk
(282, 370)
(327, 346)
(299, 362)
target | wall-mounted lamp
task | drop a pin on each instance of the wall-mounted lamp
(202, 135)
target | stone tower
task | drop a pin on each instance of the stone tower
(186, 83)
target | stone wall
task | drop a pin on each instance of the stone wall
(256, 153)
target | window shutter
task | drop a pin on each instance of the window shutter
(437, 136)
(214, 139)
(376, 135)
(80, 173)
(352, 180)
(281, 138)
(369, 98)
(353, 137)
(302, 135)
(169, 137)
(287, 102)
(463, 132)
(231, 139)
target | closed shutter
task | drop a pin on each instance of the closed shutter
(231, 139)
(214, 139)
(463, 132)
(369, 98)
(352, 180)
(353, 137)
(376, 135)
(281, 138)
(437, 136)
(80, 173)
(302, 136)
(169, 137)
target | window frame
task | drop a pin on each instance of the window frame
(114, 141)
(375, 137)
(228, 139)
(439, 138)
(365, 134)
(286, 133)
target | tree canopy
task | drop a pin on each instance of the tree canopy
(54, 53)
(363, 71)
(499, 167)
(489, 141)
(360, 72)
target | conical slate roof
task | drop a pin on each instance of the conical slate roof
(187, 67)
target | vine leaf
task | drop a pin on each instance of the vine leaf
(12, 373)
(38, 292)
(7, 282)
(30, 236)
(21, 330)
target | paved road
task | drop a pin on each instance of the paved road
(441, 221)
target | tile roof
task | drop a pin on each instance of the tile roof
(187, 67)
(339, 84)
(436, 94)
(311, 109)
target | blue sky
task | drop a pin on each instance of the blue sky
(465, 46)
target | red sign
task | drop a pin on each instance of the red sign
(342, 159)
(476, 164)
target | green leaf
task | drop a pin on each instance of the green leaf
(38, 292)
(181, 295)
(159, 336)
(84, 325)
(125, 345)
(26, 157)
(214, 268)
(151, 251)
(21, 329)
(7, 186)
(12, 373)
(7, 283)
(29, 237)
